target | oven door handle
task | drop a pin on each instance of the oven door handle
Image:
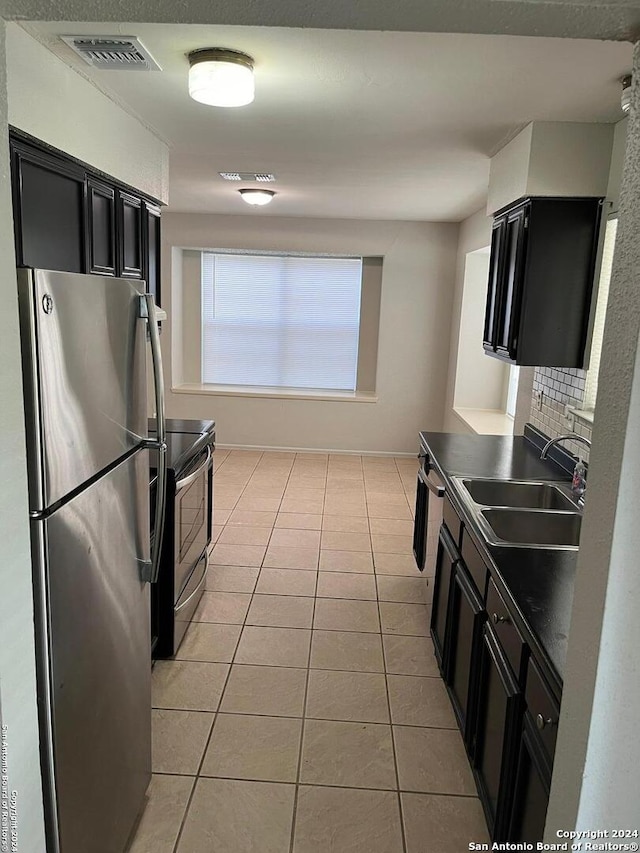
(198, 585)
(438, 490)
(185, 482)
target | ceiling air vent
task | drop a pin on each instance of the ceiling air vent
(113, 53)
(261, 177)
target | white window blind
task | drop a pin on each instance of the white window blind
(280, 321)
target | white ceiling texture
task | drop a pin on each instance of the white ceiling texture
(355, 124)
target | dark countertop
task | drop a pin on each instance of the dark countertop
(181, 425)
(537, 583)
(186, 440)
(498, 456)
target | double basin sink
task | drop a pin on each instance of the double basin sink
(523, 513)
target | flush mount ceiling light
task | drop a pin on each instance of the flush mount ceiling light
(221, 77)
(625, 100)
(259, 197)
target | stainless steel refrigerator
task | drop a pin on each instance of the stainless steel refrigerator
(84, 342)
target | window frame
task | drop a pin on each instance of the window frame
(186, 377)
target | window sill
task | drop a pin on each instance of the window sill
(584, 415)
(486, 421)
(274, 393)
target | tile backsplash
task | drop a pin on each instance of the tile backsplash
(559, 386)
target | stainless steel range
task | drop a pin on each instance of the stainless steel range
(187, 532)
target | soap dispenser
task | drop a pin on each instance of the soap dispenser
(579, 481)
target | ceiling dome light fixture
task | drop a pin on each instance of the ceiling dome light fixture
(258, 197)
(221, 77)
(625, 100)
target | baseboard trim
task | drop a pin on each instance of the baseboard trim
(262, 448)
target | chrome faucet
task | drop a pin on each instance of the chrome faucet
(579, 482)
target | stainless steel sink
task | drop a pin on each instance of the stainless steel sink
(522, 513)
(511, 493)
(532, 528)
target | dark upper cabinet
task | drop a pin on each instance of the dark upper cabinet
(151, 256)
(49, 211)
(508, 319)
(130, 241)
(102, 227)
(541, 272)
(496, 264)
(67, 217)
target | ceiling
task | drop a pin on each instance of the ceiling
(355, 124)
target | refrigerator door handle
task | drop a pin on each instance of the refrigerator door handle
(148, 310)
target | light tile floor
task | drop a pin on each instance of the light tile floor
(304, 712)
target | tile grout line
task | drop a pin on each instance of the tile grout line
(393, 740)
(306, 692)
(244, 624)
(298, 628)
(323, 785)
(215, 717)
(315, 669)
(293, 717)
(237, 499)
(264, 556)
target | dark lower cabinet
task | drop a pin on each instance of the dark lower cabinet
(440, 620)
(467, 616)
(498, 726)
(506, 703)
(531, 789)
(70, 218)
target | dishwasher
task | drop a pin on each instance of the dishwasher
(429, 493)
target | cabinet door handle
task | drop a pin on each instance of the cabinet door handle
(543, 722)
(498, 619)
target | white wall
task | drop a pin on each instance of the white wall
(551, 158)
(596, 774)
(17, 662)
(417, 288)
(480, 380)
(569, 158)
(52, 102)
(475, 233)
(617, 162)
(509, 171)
